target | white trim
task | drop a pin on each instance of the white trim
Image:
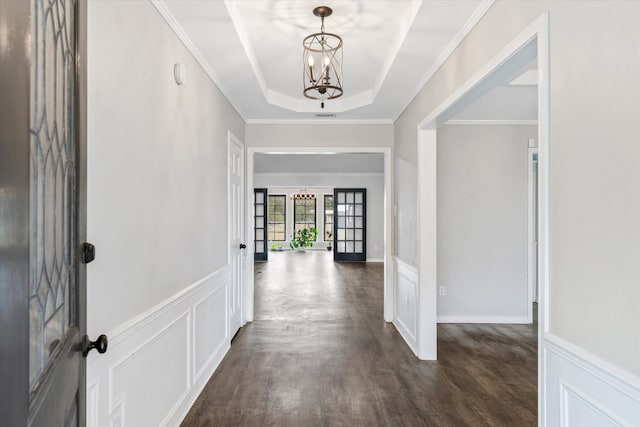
(483, 319)
(427, 295)
(125, 329)
(531, 237)
(410, 273)
(173, 23)
(621, 379)
(538, 32)
(597, 389)
(319, 121)
(493, 64)
(315, 174)
(389, 279)
(446, 53)
(494, 122)
(375, 260)
(175, 317)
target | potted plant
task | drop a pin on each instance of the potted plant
(303, 238)
(329, 238)
(277, 247)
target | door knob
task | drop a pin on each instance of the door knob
(100, 344)
(243, 246)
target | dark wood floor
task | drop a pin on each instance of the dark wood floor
(320, 354)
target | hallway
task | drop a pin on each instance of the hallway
(320, 353)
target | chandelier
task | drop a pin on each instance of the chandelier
(322, 62)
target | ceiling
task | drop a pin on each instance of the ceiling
(252, 49)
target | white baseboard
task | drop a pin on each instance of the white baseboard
(584, 390)
(483, 319)
(375, 260)
(171, 351)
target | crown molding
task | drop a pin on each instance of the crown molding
(267, 174)
(319, 121)
(453, 44)
(493, 122)
(171, 20)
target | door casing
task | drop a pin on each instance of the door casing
(388, 311)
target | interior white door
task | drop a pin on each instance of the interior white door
(236, 234)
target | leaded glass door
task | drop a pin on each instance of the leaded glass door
(260, 224)
(43, 300)
(350, 221)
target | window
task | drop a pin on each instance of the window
(304, 211)
(328, 217)
(276, 217)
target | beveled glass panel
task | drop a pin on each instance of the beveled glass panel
(341, 222)
(52, 305)
(260, 211)
(349, 235)
(358, 210)
(341, 197)
(358, 197)
(358, 247)
(358, 234)
(350, 247)
(260, 197)
(259, 234)
(358, 222)
(341, 246)
(341, 234)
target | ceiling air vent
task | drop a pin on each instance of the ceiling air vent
(325, 115)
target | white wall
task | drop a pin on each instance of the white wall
(482, 182)
(321, 135)
(157, 201)
(594, 206)
(374, 183)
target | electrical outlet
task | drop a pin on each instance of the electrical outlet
(441, 290)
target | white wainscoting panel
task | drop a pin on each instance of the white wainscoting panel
(405, 317)
(584, 391)
(158, 363)
(482, 319)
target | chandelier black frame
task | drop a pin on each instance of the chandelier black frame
(322, 62)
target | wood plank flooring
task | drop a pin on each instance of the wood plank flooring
(320, 354)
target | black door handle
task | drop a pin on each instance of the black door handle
(243, 246)
(100, 345)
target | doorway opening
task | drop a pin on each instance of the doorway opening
(280, 184)
(530, 45)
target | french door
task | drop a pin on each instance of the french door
(260, 252)
(350, 224)
(42, 214)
